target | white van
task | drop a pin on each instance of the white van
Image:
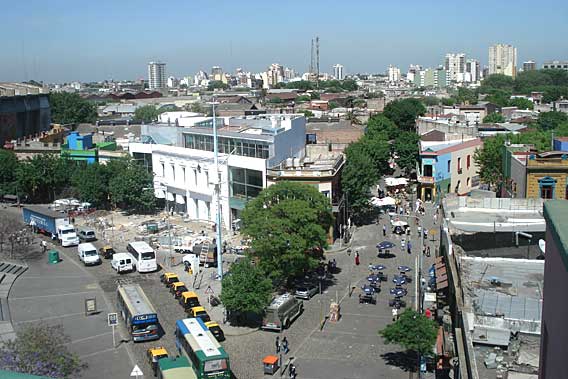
(88, 254)
(143, 255)
(122, 262)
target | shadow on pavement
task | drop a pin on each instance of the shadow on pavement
(405, 360)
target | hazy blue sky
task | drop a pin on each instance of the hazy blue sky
(66, 40)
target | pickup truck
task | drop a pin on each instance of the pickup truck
(53, 224)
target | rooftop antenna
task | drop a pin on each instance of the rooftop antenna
(312, 62)
(317, 61)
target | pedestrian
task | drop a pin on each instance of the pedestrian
(409, 247)
(428, 251)
(435, 218)
(285, 345)
(43, 246)
(394, 314)
(277, 344)
(357, 262)
(384, 230)
(424, 250)
(290, 370)
(294, 373)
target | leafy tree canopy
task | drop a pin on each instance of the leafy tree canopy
(496, 82)
(216, 84)
(406, 148)
(430, 100)
(246, 289)
(521, 103)
(379, 126)
(465, 96)
(413, 331)
(404, 112)
(551, 120)
(130, 186)
(70, 108)
(40, 349)
(147, 113)
(494, 118)
(358, 175)
(8, 169)
(287, 222)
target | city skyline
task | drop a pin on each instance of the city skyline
(111, 42)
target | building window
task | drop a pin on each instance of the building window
(247, 148)
(468, 162)
(245, 183)
(428, 170)
(459, 164)
(546, 187)
(449, 165)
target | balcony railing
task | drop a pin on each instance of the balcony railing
(426, 179)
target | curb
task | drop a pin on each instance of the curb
(6, 326)
(343, 248)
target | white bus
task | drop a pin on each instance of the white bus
(144, 257)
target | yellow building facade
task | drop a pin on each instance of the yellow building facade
(547, 177)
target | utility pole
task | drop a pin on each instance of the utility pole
(217, 184)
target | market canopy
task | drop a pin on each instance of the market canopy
(385, 201)
(395, 182)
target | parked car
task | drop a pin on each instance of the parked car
(306, 291)
(87, 235)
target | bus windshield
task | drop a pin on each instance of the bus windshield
(218, 364)
(144, 328)
(148, 255)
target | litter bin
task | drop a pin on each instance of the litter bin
(270, 363)
(152, 227)
(53, 257)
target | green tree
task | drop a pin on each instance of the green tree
(8, 169)
(287, 222)
(130, 186)
(489, 161)
(521, 103)
(333, 105)
(500, 98)
(379, 150)
(91, 181)
(551, 120)
(43, 177)
(352, 117)
(412, 331)
(246, 289)
(70, 108)
(303, 99)
(404, 112)
(494, 118)
(406, 148)
(380, 126)
(496, 82)
(147, 113)
(465, 96)
(302, 85)
(349, 85)
(448, 101)
(276, 100)
(41, 349)
(216, 84)
(357, 177)
(430, 101)
(307, 113)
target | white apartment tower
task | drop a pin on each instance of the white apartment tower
(503, 60)
(157, 75)
(394, 74)
(455, 66)
(473, 70)
(338, 72)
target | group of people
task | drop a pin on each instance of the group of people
(282, 345)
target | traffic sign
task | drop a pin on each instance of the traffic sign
(136, 371)
(112, 319)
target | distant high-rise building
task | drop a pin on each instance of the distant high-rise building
(558, 65)
(274, 74)
(157, 75)
(503, 60)
(455, 66)
(472, 70)
(216, 73)
(394, 74)
(529, 66)
(338, 72)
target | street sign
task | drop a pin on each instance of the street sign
(90, 306)
(136, 371)
(112, 319)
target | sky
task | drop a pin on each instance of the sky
(71, 40)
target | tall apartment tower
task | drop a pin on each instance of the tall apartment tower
(529, 66)
(393, 74)
(455, 66)
(503, 60)
(157, 75)
(338, 72)
(473, 70)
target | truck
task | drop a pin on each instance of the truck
(53, 224)
(281, 312)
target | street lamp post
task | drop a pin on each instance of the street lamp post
(418, 270)
(217, 195)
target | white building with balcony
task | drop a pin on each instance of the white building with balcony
(182, 161)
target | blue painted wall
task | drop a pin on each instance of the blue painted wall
(560, 145)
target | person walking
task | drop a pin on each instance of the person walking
(394, 314)
(43, 246)
(277, 344)
(428, 251)
(357, 262)
(409, 247)
(285, 345)
(384, 230)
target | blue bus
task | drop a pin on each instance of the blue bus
(137, 312)
(207, 356)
